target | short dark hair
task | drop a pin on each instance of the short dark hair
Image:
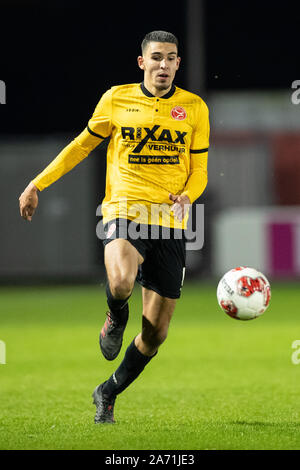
(159, 36)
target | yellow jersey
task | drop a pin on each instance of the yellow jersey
(157, 146)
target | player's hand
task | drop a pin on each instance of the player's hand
(180, 206)
(28, 201)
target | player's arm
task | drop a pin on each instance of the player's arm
(99, 127)
(195, 186)
(197, 179)
(67, 159)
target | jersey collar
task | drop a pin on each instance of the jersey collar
(167, 95)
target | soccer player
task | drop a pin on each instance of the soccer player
(156, 168)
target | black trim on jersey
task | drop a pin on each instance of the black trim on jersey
(94, 133)
(199, 151)
(167, 95)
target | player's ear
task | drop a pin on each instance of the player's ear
(140, 61)
(178, 60)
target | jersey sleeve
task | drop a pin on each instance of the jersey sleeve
(100, 123)
(67, 159)
(197, 180)
(98, 128)
(200, 136)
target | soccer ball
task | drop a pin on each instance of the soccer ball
(244, 293)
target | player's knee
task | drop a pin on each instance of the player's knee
(121, 286)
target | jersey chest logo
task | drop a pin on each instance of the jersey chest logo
(166, 135)
(178, 113)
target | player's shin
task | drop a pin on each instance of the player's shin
(130, 368)
(116, 307)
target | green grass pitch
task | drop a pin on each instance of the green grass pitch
(216, 383)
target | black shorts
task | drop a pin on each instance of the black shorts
(163, 251)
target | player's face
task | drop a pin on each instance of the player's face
(160, 63)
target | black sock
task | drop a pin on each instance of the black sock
(130, 368)
(116, 306)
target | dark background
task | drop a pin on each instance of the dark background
(57, 59)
